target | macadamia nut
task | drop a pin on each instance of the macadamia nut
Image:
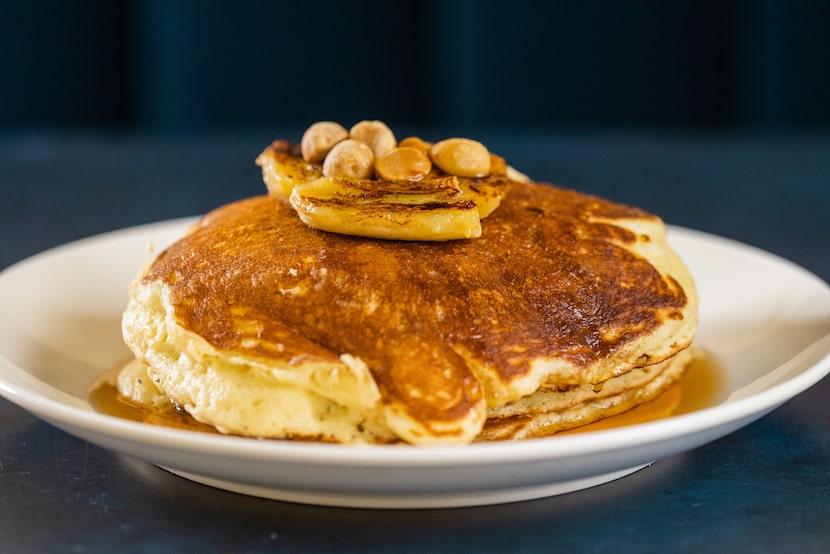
(403, 164)
(416, 142)
(351, 159)
(462, 157)
(319, 139)
(376, 134)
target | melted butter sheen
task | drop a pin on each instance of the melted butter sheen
(700, 387)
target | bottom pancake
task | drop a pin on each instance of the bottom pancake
(550, 411)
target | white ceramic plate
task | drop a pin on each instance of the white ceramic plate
(765, 320)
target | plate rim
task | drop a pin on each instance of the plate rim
(675, 232)
(386, 455)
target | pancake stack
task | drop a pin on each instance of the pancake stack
(566, 309)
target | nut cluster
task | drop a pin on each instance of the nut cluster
(369, 150)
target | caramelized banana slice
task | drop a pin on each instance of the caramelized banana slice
(439, 207)
(283, 168)
(432, 209)
(489, 191)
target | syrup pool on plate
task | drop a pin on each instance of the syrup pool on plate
(701, 386)
(104, 398)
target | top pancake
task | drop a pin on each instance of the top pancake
(560, 288)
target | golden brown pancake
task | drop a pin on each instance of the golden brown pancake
(553, 409)
(415, 340)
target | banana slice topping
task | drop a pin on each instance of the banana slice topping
(363, 182)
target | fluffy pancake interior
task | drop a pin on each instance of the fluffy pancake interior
(307, 396)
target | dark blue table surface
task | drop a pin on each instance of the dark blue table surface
(765, 488)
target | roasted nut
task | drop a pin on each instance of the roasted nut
(351, 159)
(319, 139)
(404, 163)
(375, 134)
(416, 142)
(462, 157)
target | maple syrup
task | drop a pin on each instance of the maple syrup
(104, 398)
(700, 387)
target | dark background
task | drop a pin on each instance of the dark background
(713, 114)
(189, 65)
